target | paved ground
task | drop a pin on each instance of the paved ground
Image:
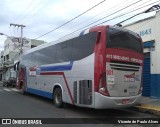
(149, 104)
(15, 105)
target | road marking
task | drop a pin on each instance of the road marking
(14, 89)
(7, 89)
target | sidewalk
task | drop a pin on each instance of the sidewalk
(148, 104)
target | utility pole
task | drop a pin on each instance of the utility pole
(21, 38)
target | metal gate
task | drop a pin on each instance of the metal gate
(146, 76)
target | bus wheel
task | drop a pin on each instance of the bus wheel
(57, 98)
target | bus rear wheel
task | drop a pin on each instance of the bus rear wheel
(57, 98)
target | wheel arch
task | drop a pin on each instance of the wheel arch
(57, 85)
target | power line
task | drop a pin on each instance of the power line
(71, 19)
(153, 8)
(37, 11)
(27, 7)
(108, 10)
(25, 16)
(128, 12)
(113, 7)
(105, 17)
(111, 18)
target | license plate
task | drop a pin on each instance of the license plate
(125, 101)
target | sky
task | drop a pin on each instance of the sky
(42, 16)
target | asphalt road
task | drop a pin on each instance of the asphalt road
(15, 105)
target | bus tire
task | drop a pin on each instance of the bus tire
(57, 98)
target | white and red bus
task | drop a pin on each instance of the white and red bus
(100, 68)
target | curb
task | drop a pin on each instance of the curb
(153, 109)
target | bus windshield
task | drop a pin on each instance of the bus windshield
(118, 38)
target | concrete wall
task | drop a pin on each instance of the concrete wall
(155, 61)
(12, 50)
(14, 45)
(37, 42)
(149, 30)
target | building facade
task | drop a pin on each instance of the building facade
(149, 30)
(11, 53)
(1, 64)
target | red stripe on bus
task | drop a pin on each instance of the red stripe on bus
(60, 73)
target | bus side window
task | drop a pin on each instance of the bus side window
(83, 46)
(63, 52)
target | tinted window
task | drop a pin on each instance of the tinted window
(64, 52)
(70, 50)
(46, 55)
(83, 46)
(118, 38)
(27, 60)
